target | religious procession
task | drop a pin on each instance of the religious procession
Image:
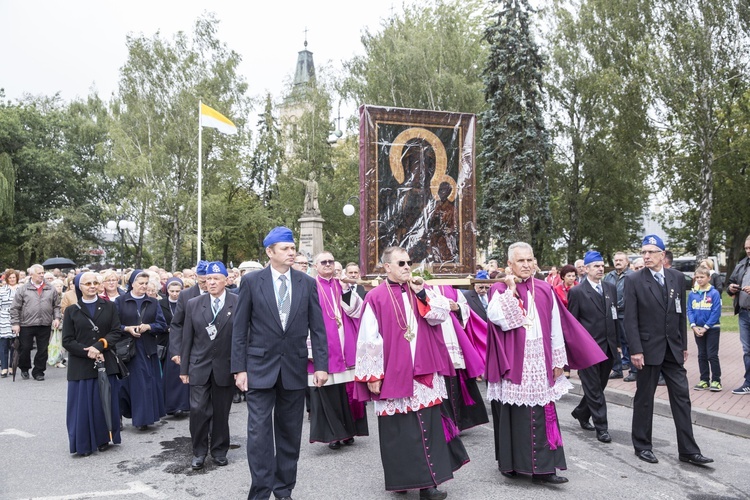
(484, 280)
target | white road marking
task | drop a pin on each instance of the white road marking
(15, 432)
(588, 467)
(134, 488)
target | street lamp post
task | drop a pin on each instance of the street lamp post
(349, 208)
(123, 225)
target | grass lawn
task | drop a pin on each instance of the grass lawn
(729, 321)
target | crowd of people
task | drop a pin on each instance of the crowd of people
(297, 333)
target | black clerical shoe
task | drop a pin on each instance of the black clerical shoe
(603, 436)
(335, 445)
(548, 479)
(647, 456)
(103, 447)
(221, 461)
(181, 413)
(696, 459)
(614, 375)
(432, 494)
(142, 427)
(349, 441)
(197, 463)
(39, 378)
(510, 474)
(585, 424)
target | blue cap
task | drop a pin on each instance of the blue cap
(592, 256)
(482, 275)
(279, 234)
(652, 239)
(200, 270)
(216, 268)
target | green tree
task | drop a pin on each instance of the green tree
(602, 137)
(154, 133)
(515, 143)
(427, 59)
(700, 70)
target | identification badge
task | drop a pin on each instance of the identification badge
(677, 306)
(614, 312)
(211, 329)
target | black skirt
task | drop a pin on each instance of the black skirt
(332, 416)
(521, 440)
(415, 452)
(465, 415)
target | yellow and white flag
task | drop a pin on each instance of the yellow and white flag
(213, 119)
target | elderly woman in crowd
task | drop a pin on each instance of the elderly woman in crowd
(142, 393)
(568, 274)
(7, 292)
(91, 329)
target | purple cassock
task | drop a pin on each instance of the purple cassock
(338, 359)
(430, 356)
(505, 350)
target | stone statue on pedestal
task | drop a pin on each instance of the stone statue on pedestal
(311, 207)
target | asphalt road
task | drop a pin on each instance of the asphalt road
(35, 463)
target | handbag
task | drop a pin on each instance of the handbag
(121, 366)
(125, 349)
(123, 371)
(161, 352)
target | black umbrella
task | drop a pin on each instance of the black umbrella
(105, 394)
(58, 262)
(15, 349)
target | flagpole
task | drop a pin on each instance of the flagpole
(200, 180)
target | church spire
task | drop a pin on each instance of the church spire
(304, 74)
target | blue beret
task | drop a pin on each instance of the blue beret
(200, 270)
(216, 268)
(482, 275)
(279, 234)
(652, 239)
(592, 256)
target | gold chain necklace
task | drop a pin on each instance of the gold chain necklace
(405, 327)
(328, 302)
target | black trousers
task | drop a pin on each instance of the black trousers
(274, 433)
(26, 339)
(593, 404)
(679, 401)
(209, 414)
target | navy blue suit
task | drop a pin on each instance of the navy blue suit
(275, 359)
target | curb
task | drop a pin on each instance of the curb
(719, 421)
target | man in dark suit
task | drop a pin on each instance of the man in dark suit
(655, 324)
(477, 298)
(178, 319)
(277, 307)
(594, 304)
(206, 351)
(353, 273)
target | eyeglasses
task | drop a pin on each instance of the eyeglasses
(90, 283)
(302, 262)
(326, 262)
(649, 252)
(402, 263)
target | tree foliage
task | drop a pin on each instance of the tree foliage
(603, 142)
(515, 192)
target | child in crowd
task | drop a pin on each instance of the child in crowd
(704, 313)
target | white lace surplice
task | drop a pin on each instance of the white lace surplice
(505, 311)
(369, 365)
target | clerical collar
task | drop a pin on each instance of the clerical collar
(89, 301)
(137, 297)
(172, 301)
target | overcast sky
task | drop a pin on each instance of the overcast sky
(73, 46)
